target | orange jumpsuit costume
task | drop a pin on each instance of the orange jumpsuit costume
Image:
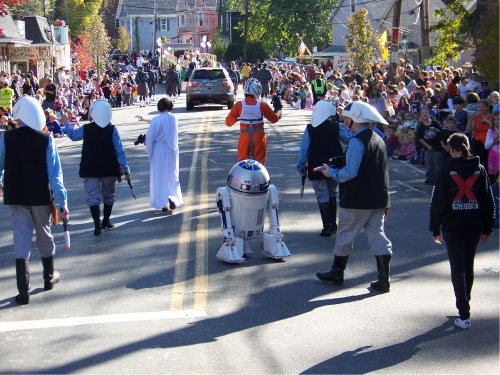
(259, 144)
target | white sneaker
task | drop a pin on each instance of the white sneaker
(464, 324)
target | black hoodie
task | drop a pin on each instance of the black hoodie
(462, 200)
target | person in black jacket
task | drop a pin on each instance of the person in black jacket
(364, 195)
(463, 209)
(320, 142)
(102, 157)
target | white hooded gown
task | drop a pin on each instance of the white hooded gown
(163, 153)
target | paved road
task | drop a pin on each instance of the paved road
(150, 297)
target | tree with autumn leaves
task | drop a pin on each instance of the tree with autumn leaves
(459, 29)
(362, 41)
(93, 45)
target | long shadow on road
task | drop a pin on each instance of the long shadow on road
(262, 308)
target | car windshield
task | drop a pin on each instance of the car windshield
(208, 74)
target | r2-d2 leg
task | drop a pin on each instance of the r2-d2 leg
(274, 247)
(232, 249)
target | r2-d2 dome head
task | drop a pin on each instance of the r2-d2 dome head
(248, 177)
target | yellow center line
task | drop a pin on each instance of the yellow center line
(201, 261)
(182, 258)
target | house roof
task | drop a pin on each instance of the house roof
(380, 11)
(128, 8)
(333, 49)
(37, 29)
(9, 31)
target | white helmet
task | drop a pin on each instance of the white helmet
(253, 87)
(30, 112)
(101, 113)
(362, 112)
(321, 112)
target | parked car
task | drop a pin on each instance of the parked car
(209, 85)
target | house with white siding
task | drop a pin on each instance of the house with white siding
(137, 16)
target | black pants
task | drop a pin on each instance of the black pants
(461, 252)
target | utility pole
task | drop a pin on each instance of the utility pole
(245, 33)
(424, 25)
(66, 6)
(394, 56)
(153, 52)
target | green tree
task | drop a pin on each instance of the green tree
(274, 21)
(486, 41)
(362, 42)
(453, 33)
(459, 30)
(80, 14)
(123, 40)
(97, 42)
(233, 51)
(218, 45)
(28, 8)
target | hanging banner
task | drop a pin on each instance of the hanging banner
(395, 36)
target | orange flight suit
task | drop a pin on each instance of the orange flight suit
(259, 136)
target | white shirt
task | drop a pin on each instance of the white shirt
(462, 89)
(139, 62)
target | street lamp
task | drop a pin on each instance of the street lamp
(209, 46)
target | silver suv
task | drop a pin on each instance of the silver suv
(209, 85)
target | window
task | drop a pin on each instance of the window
(228, 15)
(221, 23)
(208, 74)
(199, 18)
(353, 6)
(117, 23)
(182, 20)
(163, 24)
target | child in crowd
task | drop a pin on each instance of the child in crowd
(3, 122)
(392, 144)
(58, 104)
(410, 122)
(309, 97)
(302, 95)
(449, 125)
(407, 151)
(460, 115)
(54, 127)
(492, 144)
(73, 120)
(118, 94)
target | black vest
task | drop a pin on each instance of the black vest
(325, 144)
(370, 188)
(26, 181)
(98, 152)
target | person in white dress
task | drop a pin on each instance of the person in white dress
(163, 153)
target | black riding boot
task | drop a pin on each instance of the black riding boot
(49, 275)
(106, 224)
(96, 215)
(23, 281)
(383, 266)
(333, 214)
(336, 274)
(324, 210)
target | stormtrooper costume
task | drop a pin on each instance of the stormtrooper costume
(320, 142)
(243, 204)
(102, 157)
(364, 195)
(250, 112)
(33, 181)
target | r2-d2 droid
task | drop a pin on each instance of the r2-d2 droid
(243, 204)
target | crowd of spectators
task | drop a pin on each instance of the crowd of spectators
(423, 106)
